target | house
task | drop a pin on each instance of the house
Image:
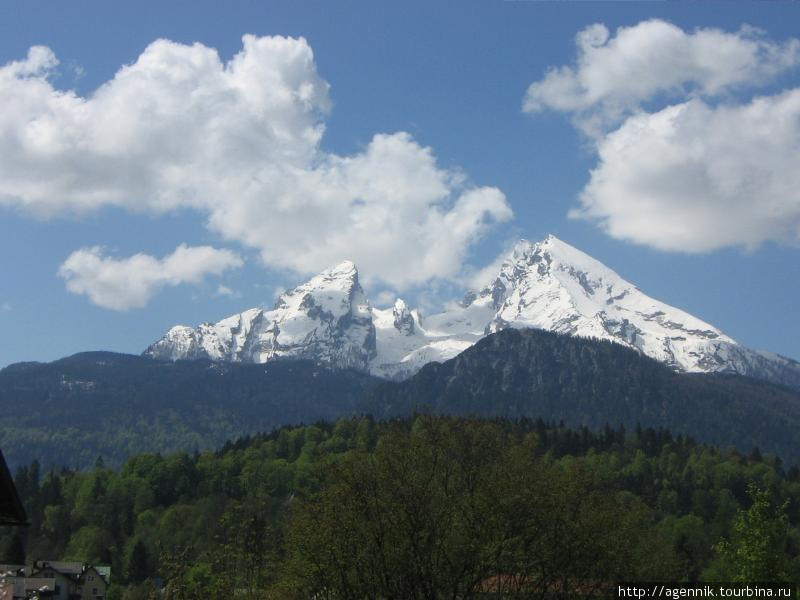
(18, 587)
(11, 585)
(92, 584)
(56, 580)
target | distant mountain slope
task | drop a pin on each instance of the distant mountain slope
(533, 373)
(100, 404)
(113, 405)
(547, 285)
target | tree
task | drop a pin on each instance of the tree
(447, 509)
(90, 544)
(757, 551)
(137, 566)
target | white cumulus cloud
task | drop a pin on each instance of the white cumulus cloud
(122, 284)
(684, 164)
(614, 75)
(240, 142)
(695, 178)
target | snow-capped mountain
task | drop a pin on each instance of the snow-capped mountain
(547, 285)
(327, 319)
(551, 285)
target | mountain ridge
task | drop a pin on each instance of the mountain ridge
(531, 373)
(547, 285)
(73, 410)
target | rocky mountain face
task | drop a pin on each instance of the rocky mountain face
(552, 286)
(327, 319)
(545, 285)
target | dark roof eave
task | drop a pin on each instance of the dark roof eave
(12, 512)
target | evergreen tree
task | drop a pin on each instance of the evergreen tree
(137, 567)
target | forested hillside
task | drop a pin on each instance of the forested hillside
(72, 411)
(427, 507)
(100, 404)
(538, 374)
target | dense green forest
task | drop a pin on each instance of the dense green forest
(423, 507)
(539, 374)
(92, 404)
(73, 410)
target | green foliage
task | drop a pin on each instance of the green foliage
(538, 374)
(416, 506)
(442, 510)
(99, 408)
(143, 591)
(90, 544)
(757, 550)
(138, 565)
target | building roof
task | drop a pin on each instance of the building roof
(71, 569)
(65, 567)
(11, 509)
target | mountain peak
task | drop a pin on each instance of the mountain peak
(326, 319)
(525, 250)
(547, 285)
(346, 267)
(554, 286)
(335, 286)
(403, 319)
(345, 270)
(554, 253)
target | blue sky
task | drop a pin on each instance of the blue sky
(429, 96)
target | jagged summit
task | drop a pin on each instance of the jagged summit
(326, 319)
(403, 319)
(546, 285)
(552, 285)
(345, 270)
